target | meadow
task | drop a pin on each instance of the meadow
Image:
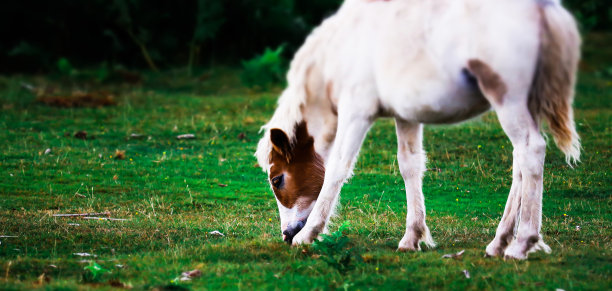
(170, 194)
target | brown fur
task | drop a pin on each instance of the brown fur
(303, 170)
(490, 83)
(552, 90)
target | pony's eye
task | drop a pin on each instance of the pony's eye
(277, 181)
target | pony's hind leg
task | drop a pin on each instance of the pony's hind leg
(505, 230)
(411, 160)
(529, 151)
(525, 198)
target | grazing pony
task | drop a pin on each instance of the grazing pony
(422, 62)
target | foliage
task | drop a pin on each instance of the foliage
(334, 250)
(264, 70)
(209, 18)
(604, 73)
(591, 14)
(64, 67)
(153, 33)
(95, 271)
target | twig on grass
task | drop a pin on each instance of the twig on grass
(186, 136)
(8, 268)
(106, 213)
(105, 218)
(454, 256)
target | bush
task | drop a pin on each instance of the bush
(264, 70)
(334, 250)
(591, 14)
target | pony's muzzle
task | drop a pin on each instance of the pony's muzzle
(292, 229)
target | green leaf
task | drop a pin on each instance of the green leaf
(96, 269)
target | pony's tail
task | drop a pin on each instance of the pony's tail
(552, 91)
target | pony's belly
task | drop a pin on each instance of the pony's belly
(449, 106)
(458, 108)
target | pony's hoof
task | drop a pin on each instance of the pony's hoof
(408, 244)
(515, 252)
(405, 250)
(302, 238)
(494, 250)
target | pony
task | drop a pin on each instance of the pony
(422, 62)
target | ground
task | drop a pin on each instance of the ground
(173, 192)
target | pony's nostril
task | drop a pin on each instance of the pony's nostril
(292, 230)
(288, 236)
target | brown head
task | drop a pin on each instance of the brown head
(296, 176)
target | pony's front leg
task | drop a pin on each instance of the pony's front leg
(349, 137)
(411, 159)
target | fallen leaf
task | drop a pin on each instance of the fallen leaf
(216, 233)
(222, 185)
(119, 155)
(241, 136)
(136, 136)
(192, 274)
(454, 256)
(42, 279)
(367, 258)
(118, 284)
(84, 255)
(186, 136)
(81, 134)
(77, 99)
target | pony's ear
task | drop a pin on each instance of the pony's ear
(280, 142)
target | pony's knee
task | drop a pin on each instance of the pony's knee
(411, 165)
(531, 157)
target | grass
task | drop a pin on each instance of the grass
(174, 192)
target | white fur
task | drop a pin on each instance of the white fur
(300, 211)
(404, 59)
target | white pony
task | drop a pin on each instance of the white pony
(422, 62)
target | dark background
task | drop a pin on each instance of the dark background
(163, 34)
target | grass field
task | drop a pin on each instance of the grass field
(174, 192)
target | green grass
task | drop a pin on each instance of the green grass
(172, 193)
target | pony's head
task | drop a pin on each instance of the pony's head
(295, 172)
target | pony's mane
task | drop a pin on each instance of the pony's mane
(288, 112)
